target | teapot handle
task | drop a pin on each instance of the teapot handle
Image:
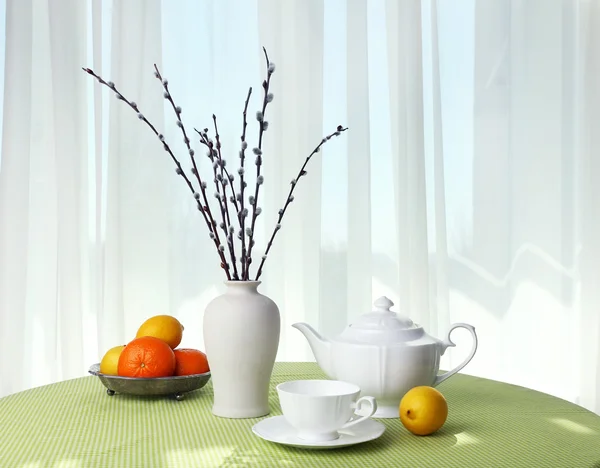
(440, 378)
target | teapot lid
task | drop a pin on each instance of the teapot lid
(382, 326)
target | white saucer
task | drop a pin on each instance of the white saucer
(277, 429)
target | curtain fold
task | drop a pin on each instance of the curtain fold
(404, 48)
(136, 240)
(463, 190)
(14, 194)
(291, 137)
(439, 293)
(70, 142)
(588, 247)
(359, 247)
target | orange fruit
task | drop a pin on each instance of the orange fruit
(423, 410)
(190, 362)
(110, 361)
(147, 357)
(164, 327)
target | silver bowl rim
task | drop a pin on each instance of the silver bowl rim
(92, 370)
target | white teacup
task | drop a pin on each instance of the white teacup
(317, 409)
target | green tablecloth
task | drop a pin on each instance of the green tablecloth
(490, 424)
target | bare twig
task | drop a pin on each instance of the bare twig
(290, 197)
(204, 209)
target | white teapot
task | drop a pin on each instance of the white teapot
(385, 355)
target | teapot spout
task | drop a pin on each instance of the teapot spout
(321, 347)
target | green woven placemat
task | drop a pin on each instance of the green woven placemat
(490, 424)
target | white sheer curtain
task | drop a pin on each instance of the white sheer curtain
(464, 189)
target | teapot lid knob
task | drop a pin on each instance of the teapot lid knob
(383, 304)
(382, 326)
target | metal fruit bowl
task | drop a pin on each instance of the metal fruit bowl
(177, 386)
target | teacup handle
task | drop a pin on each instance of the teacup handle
(358, 405)
(440, 378)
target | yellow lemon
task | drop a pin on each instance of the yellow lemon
(423, 410)
(164, 327)
(110, 361)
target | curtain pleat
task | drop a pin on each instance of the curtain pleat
(588, 251)
(439, 292)
(68, 92)
(137, 247)
(15, 195)
(406, 118)
(297, 85)
(95, 295)
(359, 162)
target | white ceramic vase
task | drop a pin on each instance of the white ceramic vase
(241, 336)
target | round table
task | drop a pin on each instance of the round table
(490, 424)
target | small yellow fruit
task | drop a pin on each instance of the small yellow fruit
(164, 327)
(110, 362)
(423, 410)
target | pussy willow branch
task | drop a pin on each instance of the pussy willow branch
(207, 142)
(262, 127)
(216, 162)
(221, 195)
(221, 183)
(224, 181)
(209, 222)
(290, 197)
(221, 164)
(186, 140)
(243, 211)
